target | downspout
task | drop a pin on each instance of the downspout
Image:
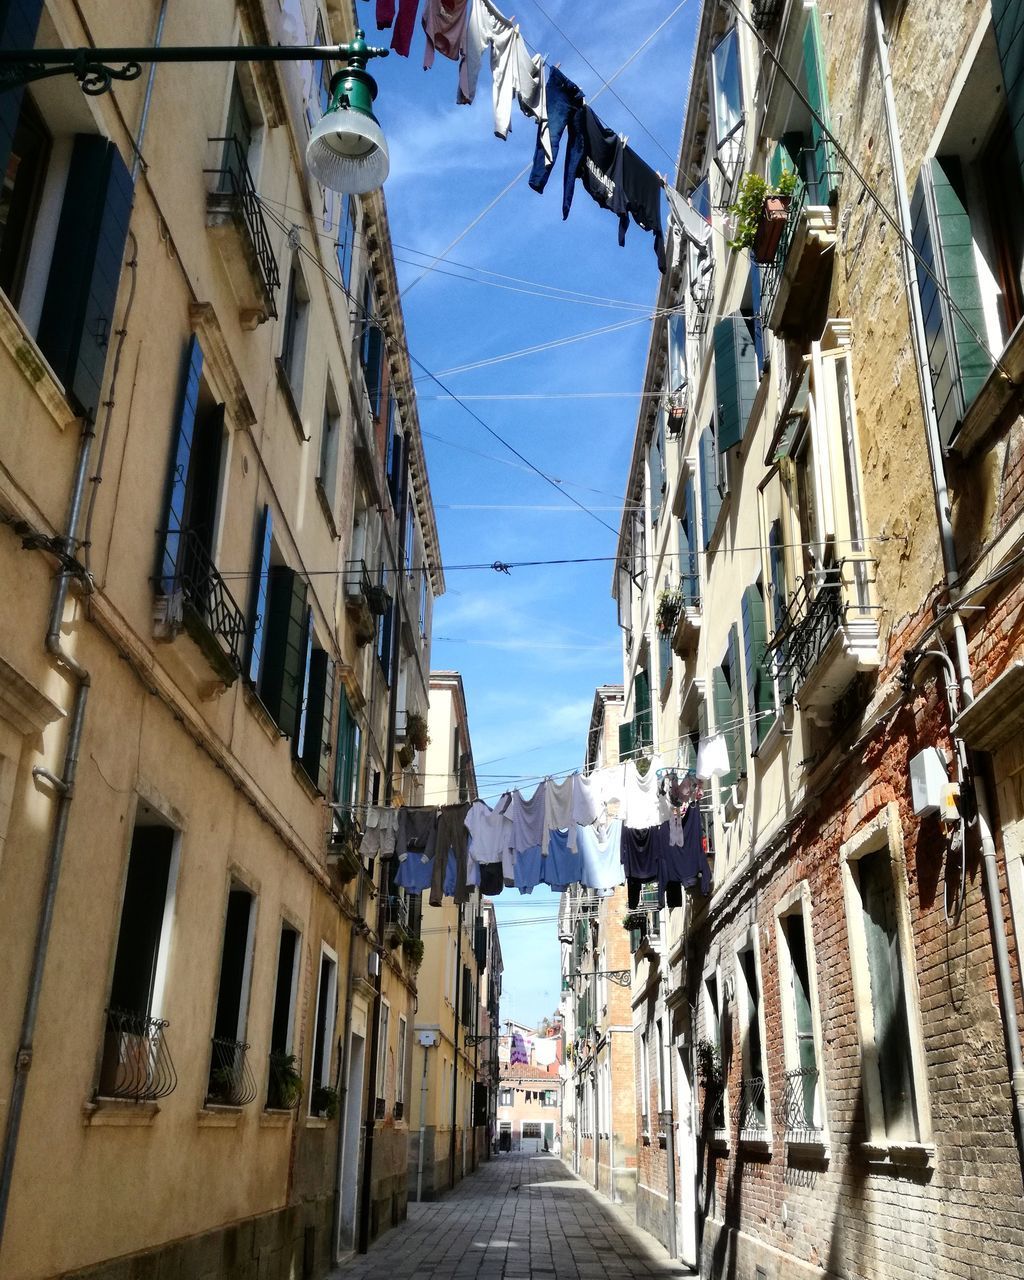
(140, 135)
(1000, 948)
(370, 1122)
(597, 1090)
(343, 1080)
(476, 1054)
(455, 1050)
(667, 1117)
(423, 1129)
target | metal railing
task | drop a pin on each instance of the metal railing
(799, 1101)
(396, 911)
(822, 603)
(357, 580)
(284, 1082)
(234, 181)
(765, 13)
(819, 163)
(231, 1081)
(136, 1061)
(752, 1109)
(205, 594)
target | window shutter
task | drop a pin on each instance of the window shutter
(942, 237)
(175, 506)
(343, 763)
(303, 685)
(1008, 21)
(758, 325)
(282, 683)
(736, 689)
(386, 630)
(315, 751)
(77, 322)
(780, 161)
(722, 696)
(19, 21)
(760, 693)
(626, 740)
(823, 186)
(676, 326)
(664, 658)
(642, 709)
(688, 573)
(710, 498)
(260, 594)
(735, 377)
(656, 467)
(777, 568)
(323, 773)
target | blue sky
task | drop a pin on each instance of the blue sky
(533, 645)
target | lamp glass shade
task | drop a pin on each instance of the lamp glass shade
(347, 152)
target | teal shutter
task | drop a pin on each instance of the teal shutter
(176, 504)
(260, 594)
(1008, 22)
(642, 709)
(942, 238)
(736, 691)
(315, 751)
(735, 377)
(283, 667)
(689, 576)
(19, 21)
(76, 326)
(664, 658)
(722, 697)
(626, 740)
(760, 691)
(656, 468)
(781, 161)
(777, 568)
(822, 173)
(710, 497)
(344, 763)
(303, 707)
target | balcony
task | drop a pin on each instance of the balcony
(686, 632)
(753, 1117)
(795, 284)
(365, 601)
(196, 598)
(828, 633)
(764, 14)
(231, 1080)
(136, 1063)
(396, 918)
(236, 221)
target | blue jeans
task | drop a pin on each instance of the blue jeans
(563, 98)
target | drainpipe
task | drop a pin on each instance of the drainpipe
(140, 134)
(666, 1117)
(455, 1050)
(343, 1081)
(993, 894)
(423, 1128)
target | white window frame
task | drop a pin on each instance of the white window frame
(293, 990)
(884, 833)
(403, 1048)
(645, 1086)
(798, 902)
(329, 1025)
(750, 941)
(713, 973)
(384, 1030)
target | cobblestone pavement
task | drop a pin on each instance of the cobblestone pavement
(517, 1217)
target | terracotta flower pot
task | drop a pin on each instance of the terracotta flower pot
(770, 226)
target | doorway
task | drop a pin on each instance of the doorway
(686, 1157)
(351, 1144)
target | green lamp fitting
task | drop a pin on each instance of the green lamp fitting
(353, 86)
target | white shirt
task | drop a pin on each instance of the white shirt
(643, 806)
(490, 832)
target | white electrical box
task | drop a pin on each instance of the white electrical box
(373, 964)
(428, 1039)
(928, 780)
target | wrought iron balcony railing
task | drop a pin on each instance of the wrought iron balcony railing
(752, 1110)
(231, 1080)
(136, 1061)
(765, 13)
(799, 1102)
(207, 607)
(234, 182)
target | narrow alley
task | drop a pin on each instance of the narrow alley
(518, 1216)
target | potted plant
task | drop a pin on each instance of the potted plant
(676, 412)
(325, 1101)
(709, 1064)
(761, 212)
(670, 601)
(406, 755)
(285, 1081)
(416, 731)
(413, 949)
(634, 920)
(377, 599)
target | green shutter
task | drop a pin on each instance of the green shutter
(283, 659)
(689, 575)
(1008, 22)
(946, 266)
(260, 594)
(736, 689)
(824, 183)
(626, 743)
(642, 709)
(777, 568)
(76, 327)
(656, 468)
(343, 761)
(722, 697)
(735, 377)
(315, 752)
(760, 690)
(664, 659)
(302, 715)
(780, 161)
(710, 498)
(19, 21)
(176, 503)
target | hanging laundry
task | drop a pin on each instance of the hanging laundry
(528, 819)
(611, 786)
(380, 833)
(557, 811)
(684, 863)
(444, 22)
(586, 800)
(529, 869)
(562, 865)
(594, 155)
(451, 835)
(490, 831)
(532, 94)
(644, 807)
(600, 853)
(492, 878)
(690, 224)
(515, 75)
(401, 37)
(545, 1051)
(518, 1055)
(712, 756)
(640, 193)
(642, 860)
(562, 100)
(415, 844)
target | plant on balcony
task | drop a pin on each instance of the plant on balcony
(325, 1101)
(670, 601)
(709, 1065)
(377, 600)
(676, 412)
(761, 211)
(413, 949)
(416, 731)
(634, 920)
(285, 1081)
(343, 850)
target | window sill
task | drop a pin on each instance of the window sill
(288, 395)
(272, 1118)
(317, 1122)
(996, 393)
(119, 1113)
(759, 1140)
(325, 507)
(30, 360)
(215, 1117)
(900, 1155)
(720, 1140)
(263, 717)
(801, 1149)
(305, 781)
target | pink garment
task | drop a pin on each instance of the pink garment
(401, 37)
(444, 21)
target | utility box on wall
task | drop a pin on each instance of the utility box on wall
(928, 778)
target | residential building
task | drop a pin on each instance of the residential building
(459, 981)
(530, 1093)
(824, 569)
(204, 1007)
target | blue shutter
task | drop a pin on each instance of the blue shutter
(19, 21)
(735, 377)
(1008, 21)
(777, 568)
(77, 321)
(755, 306)
(260, 595)
(710, 498)
(169, 561)
(942, 238)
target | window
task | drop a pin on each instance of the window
(726, 86)
(727, 689)
(410, 536)
(346, 757)
(330, 433)
(760, 686)
(736, 377)
(645, 1086)
(280, 1085)
(22, 188)
(394, 454)
(895, 1091)
(753, 1087)
(281, 674)
(505, 1098)
(656, 467)
(230, 1082)
(294, 334)
(803, 1106)
(549, 1098)
(403, 1038)
(689, 573)
(643, 725)
(385, 624)
(134, 1057)
(345, 248)
(323, 1031)
(313, 737)
(238, 137)
(371, 350)
(424, 598)
(715, 1033)
(531, 1129)
(382, 1057)
(676, 331)
(664, 1095)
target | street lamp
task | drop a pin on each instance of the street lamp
(346, 152)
